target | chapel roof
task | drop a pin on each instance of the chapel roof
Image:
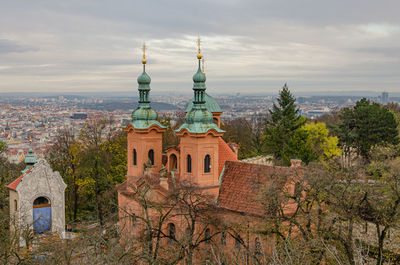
(13, 185)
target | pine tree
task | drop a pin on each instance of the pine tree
(280, 130)
(365, 126)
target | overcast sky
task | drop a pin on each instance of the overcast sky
(249, 46)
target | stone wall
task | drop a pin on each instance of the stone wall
(14, 214)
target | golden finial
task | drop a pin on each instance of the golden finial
(199, 56)
(202, 65)
(30, 139)
(144, 54)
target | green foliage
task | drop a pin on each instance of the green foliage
(91, 165)
(103, 155)
(64, 157)
(116, 146)
(397, 117)
(367, 125)
(3, 147)
(281, 128)
(8, 173)
(314, 143)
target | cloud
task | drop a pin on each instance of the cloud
(253, 45)
(8, 46)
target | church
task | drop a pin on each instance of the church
(201, 157)
(37, 200)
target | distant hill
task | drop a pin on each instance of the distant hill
(117, 105)
(69, 97)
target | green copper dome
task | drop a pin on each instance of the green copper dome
(30, 159)
(211, 104)
(144, 116)
(199, 115)
(198, 118)
(199, 77)
(144, 80)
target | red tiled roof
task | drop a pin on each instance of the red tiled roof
(13, 185)
(241, 184)
(225, 153)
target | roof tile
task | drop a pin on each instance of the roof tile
(13, 185)
(242, 183)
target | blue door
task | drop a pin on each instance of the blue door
(41, 219)
(41, 215)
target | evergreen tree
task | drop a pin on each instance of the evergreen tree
(365, 126)
(280, 130)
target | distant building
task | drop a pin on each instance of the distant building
(79, 116)
(315, 112)
(385, 98)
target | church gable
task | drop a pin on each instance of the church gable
(41, 177)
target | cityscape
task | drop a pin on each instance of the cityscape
(39, 119)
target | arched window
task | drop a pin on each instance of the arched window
(151, 156)
(41, 201)
(189, 164)
(207, 164)
(173, 161)
(171, 232)
(15, 205)
(134, 157)
(133, 220)
(188, 231)
(257, 246)
(223, 239)
(238, 242)
(207, 235)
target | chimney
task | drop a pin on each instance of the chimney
(295, 162)
(164, 183)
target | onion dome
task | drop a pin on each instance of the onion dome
(144, 80)
(144, 116)
(199, 76)
(30, 158)
(199, 119)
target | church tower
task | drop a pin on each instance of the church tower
(144, 131)
(199, 138)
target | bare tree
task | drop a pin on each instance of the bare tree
(63, 157)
